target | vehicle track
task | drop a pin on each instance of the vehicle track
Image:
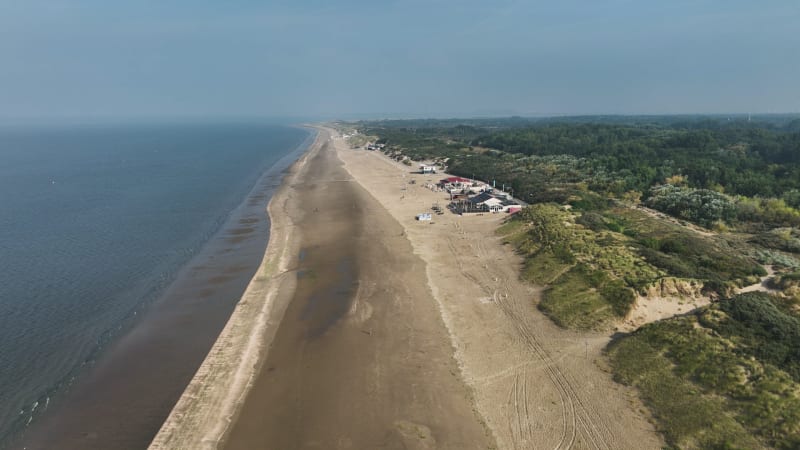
(571, 402)
(580, 420)
(582, 417)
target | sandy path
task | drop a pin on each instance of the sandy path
(537, 386)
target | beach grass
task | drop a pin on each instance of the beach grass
(725, 376)
(544, 268)
(574, 303)
(687, 418)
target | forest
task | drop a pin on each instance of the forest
(720, 171)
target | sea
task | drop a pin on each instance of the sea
(96, 221)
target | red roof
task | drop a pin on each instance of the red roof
(456, 180)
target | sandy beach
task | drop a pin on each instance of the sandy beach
(336, 341)
(368, 329)
(534, 384)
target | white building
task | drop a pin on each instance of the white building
(425, 168)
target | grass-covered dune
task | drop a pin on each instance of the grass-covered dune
(595, 263)
(725, 376)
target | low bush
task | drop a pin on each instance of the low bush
(784, 239)
(726, 375)
(620, 297)
(701, 206)
(571, 302)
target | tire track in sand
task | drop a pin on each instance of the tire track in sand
(580, 419)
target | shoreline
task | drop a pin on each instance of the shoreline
(209, 404)
(361, 357)
(424, 297)
(174, 333)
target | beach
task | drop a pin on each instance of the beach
(122, 399)
(534, 384)
(350, 348)
(368, 329)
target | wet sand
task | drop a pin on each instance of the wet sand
(123, 400)
(367, 329)
(360, 357)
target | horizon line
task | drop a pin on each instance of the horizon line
(316, 118)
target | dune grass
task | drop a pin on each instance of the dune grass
(573, 303)
(723, 377)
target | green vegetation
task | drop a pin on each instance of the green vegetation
(596, 262)
(788, 282)
(591, 275)
(784, 239)
(723, 377)
(726, 376)
(749, 172)
(701, 206)
(573, 302)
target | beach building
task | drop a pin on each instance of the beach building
(485, 202)
(456, 180)
(456, 185)
(425, 168)
(478, 188)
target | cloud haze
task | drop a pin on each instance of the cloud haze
(89, 58)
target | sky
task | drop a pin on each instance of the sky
(396, 58)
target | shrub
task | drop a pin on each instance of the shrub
(719, 376)
(702, 206)
(589, 201)
(763, 330)
(620, 297)
(592, 221)
(785, 239)
(771, 211)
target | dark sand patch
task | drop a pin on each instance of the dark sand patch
(237, 239)
(361, 358)
(241, 230)
(205, 293)
(236, 269)
(219, 279)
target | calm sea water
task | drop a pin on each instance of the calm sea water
(94, 224)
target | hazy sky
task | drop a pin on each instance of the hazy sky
(96, 58)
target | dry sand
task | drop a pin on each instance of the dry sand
(652, 309)
(536, 385)
(361, 358)
(337, 343)
(395, 333)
